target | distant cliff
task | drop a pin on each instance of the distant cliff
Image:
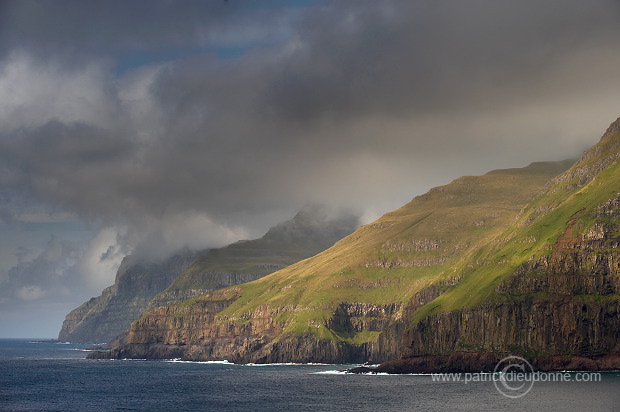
(102, 318)
(145, 285)
(514, 261)
(312, 230)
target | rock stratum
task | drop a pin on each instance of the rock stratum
(520, 261)
(142, 285)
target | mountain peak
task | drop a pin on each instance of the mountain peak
(613, 128)
(314, 221)
(594, 160)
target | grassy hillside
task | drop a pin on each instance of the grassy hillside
(566, 211)
(400, 254)
(311, 231)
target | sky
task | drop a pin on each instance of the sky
(148, 126)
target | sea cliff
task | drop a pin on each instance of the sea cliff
(515, 261)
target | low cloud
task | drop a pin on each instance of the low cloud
(56, 271)
(31, 292)
(50, 283)
(36, 92)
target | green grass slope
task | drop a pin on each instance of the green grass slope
(393, 258)
(312, 230)
(567, 211)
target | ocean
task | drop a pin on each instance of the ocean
(45, 376)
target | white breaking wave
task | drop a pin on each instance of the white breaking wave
(285, 364)
(346, 372)
(332, 373)
(221, 362)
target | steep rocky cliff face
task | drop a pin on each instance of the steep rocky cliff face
(564, 302)
(102, 318)
(192, 331)
(514, 261)
(551, 283)
(142, 286)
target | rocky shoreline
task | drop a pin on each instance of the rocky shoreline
(473, 362)
(458, 362)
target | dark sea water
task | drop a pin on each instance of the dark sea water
(56, 377)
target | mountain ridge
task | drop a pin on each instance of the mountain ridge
(140, 285)
(393, 257)
(438, 276)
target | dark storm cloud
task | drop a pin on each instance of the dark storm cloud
(140, 117)
(65, 163)
(395, 58)
(120, 26)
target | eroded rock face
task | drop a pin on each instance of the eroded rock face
(70, 326)
(474, 362)
(541, 327)
(194, 332)
(359, 317)
(104, 317)
(567, 302)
